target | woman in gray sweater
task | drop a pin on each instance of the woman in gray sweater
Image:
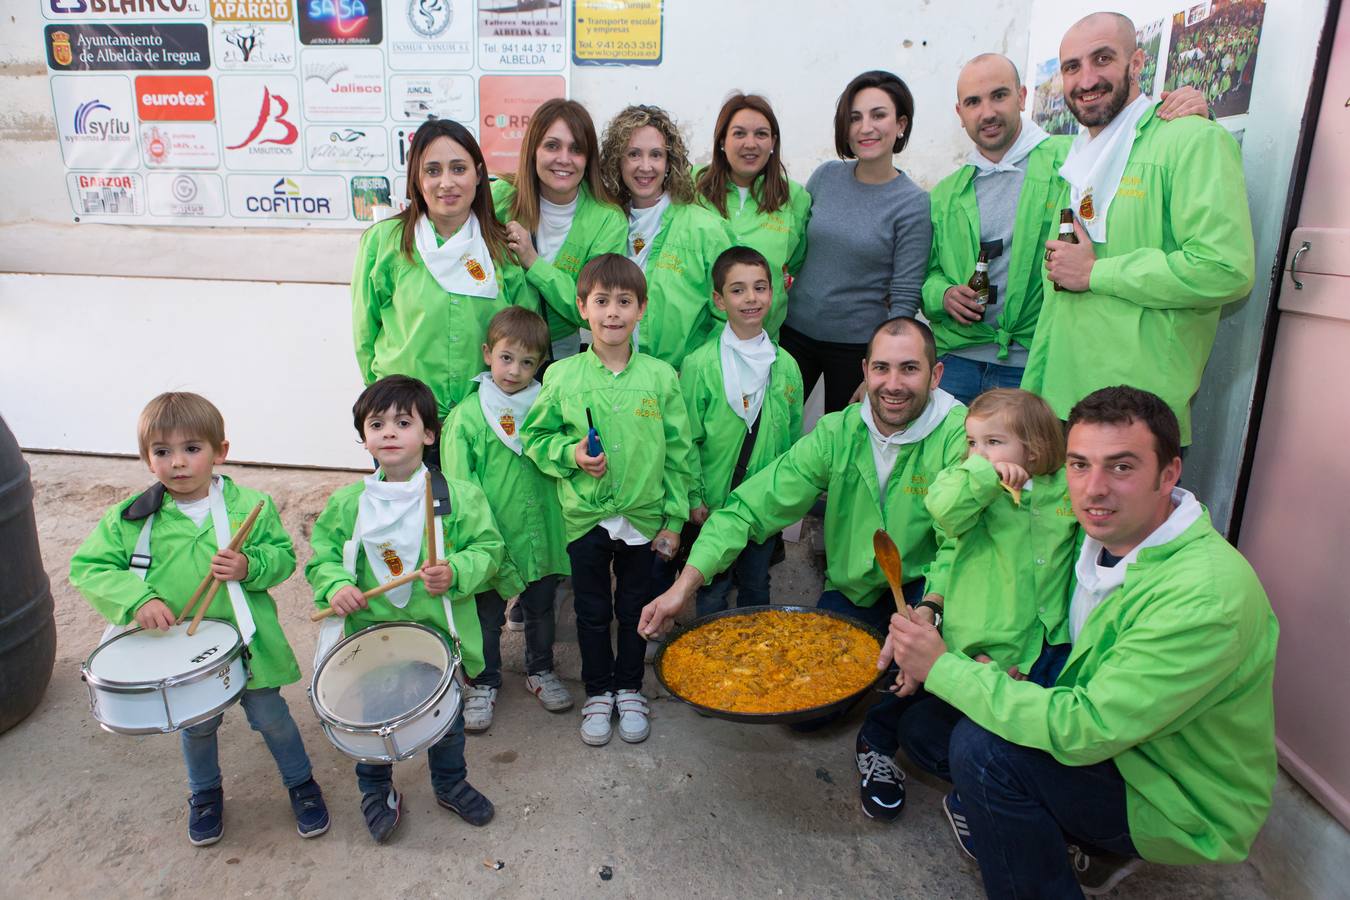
(867, 241)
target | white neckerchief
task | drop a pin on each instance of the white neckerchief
(390, 521)
(1028, 139)
(885, 448)
(1094, 166)
(505, 413)
(554, 222)
(643, 225)
(745, 372)
(196, 510)
(462, 265)
(1095, 582)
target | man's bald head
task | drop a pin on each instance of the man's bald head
(989, 101)
(1121, 24)
(987, 64)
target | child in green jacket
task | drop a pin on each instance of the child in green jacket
(149, 552)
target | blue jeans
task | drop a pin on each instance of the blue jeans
(445, 760)
(600, 598)
(268, 715)
(965, 379)
(750, 573)
(536, 601)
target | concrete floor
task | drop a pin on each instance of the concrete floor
(704, 808)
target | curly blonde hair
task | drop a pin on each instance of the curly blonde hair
(679, 182)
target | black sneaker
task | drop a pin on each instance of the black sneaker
(206, 817)
(956, 815)
(1100, 872)
(467, 803)
(515, 617)
(382, 812)
(311, 813)
(882, 785)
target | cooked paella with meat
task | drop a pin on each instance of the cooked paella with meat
(770, 661)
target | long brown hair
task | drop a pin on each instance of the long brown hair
(525, 206)
(620, 129)
(770, 187)
(494, 232)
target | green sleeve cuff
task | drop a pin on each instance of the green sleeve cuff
(1103, 277)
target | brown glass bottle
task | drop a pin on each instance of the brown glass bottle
(1066, 234)
(979, 283)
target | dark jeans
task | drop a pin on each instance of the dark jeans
(841, 364)
(268, 715)
(749, 573)
(597, 605)
(965, 379)
(536, 601)
(445, 760)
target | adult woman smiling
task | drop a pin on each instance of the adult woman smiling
(427, 281)
(558, 215)
(747, 184)
(867, 241)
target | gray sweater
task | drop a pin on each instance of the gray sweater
(866, 255)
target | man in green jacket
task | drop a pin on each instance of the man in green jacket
(1164, 236)
(1156, 741)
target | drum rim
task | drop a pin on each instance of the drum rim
(186, 723)
(328, 717)
(384, 735)
(202, 672)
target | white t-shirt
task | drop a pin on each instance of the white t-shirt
(554, 223)
(196, 510)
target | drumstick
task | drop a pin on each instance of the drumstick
(320, 614)
(431, 526)
(235, 543)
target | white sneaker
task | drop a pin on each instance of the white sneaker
(595, 719)
(479, 702)
(634, 726)
(550, 690)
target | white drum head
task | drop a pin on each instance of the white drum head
(382, 673)
(152, 656)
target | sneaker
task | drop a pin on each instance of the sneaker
(468, 804)
(634, 724)
(595, 716)
(311, 813)
(206, 817)
(515, 617)
(956, 815)
(882, 785)
(382, 812)
(550, 690)
(1100, 872)
(479, 702)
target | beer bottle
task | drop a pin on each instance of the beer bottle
(979, 283)
(1066, 234)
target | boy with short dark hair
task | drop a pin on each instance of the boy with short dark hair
(147, 555)
(483, 445)
(611, 426)
(372, 531)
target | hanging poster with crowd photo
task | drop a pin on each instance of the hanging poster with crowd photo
(285, 113)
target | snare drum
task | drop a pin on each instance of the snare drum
(153, 682)
(387, 692)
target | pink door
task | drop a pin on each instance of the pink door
(1296, 525)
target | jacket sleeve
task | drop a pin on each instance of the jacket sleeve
(324, 571)
(800, 202)
(480, 545)
(1208, 217)
(939, 573)
(960, 494)
(677, 477)
(99, 572)
(559, 289)
(913, 241)
(935, 281)
(691, 388)
(458, 459)
(367, 305)
(796, 410)
(270, 553)
(545, 434)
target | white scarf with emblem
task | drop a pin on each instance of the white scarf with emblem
(505, 413)
(643, 226)
(1029, 138)
(745, 372)
(1095, 166)
(462, 265)
(390, 522)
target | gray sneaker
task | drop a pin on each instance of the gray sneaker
(1098, 873)
(550, 690)
(479, 703)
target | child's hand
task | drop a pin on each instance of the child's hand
(229, 565)
(155, 615)
(666, 544)
(438, 579)
(698, 515)
(1011, 474)
(348, 600)
(594, 466)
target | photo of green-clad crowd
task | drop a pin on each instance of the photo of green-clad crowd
(1214, 50)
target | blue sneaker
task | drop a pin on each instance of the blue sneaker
(467, 803)
(206, 817)
(311, 813)
(951, 805)
(382, 812)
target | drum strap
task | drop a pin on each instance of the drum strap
(220, 518)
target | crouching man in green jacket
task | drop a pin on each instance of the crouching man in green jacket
(1157, 740)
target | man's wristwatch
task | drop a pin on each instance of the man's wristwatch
(937, 611)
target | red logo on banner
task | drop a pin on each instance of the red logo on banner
(266, 115)
(175, 98)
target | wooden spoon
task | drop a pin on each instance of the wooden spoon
(888, 556)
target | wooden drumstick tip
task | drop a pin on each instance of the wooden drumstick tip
(431, 524)
(321, 614)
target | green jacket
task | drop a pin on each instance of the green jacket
(596, 228)
(679, 313)
(644, 431)
(718, 433)
(779, 235)
(956, 245)
(1179, 247)
(836, 456)
(473, 550)
(181, 553)
(1170, 678)
(404, 322)
(523, 500)
(1003, 569)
